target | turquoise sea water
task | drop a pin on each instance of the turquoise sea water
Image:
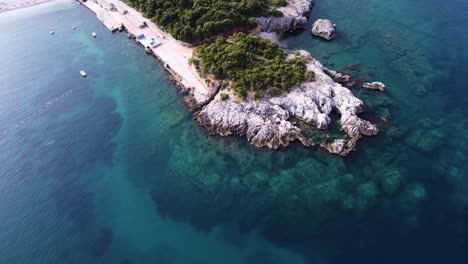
(112, 168)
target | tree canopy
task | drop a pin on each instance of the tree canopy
(195, 20)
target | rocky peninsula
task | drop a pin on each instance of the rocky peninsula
(268, 121)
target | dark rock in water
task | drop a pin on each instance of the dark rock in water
(374, 86)
(131, 36)
(352, 67)
(351, 84)
(324, 28)
(338, 76)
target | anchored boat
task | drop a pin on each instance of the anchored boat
(51, 31)
(83, 73)
(93, 34)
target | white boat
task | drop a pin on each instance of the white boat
(51, 32)
(93, 34)
(74, 27)
(83, 73)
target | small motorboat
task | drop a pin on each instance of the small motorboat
(83, 73)
(51, 31)
(93, 34)
(74, 27)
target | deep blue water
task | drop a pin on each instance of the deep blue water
(112, 168)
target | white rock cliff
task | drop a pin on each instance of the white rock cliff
(294, 17)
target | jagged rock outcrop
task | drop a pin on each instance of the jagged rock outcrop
(324, 28)
(340, 147)
(337, 76)
(281, 24)
(374, 86)
(266, 122)
(294, 17)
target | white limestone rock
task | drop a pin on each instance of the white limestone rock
(374, 86)
(266, 122)
(294, 17)
(324, 28)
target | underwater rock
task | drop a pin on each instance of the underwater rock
(294, 17)
(426, 141)
(266, 123)
(428, 137)
(414, 193)
(390, 181)
(340, 147)
(420, 90)
(324, 28)
(256, 179)
(394, 132)
(352, 67)
(298, 196)
(368, 189)
(366, 196)
(374, 86)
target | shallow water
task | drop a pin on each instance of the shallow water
(112, 168)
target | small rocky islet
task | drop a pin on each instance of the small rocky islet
(324, 28)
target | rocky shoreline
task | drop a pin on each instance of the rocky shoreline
(266, 122)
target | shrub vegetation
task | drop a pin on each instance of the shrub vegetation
(224, 96)
(252, 64)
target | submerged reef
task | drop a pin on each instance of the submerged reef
(384, 198)
(284, 195)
